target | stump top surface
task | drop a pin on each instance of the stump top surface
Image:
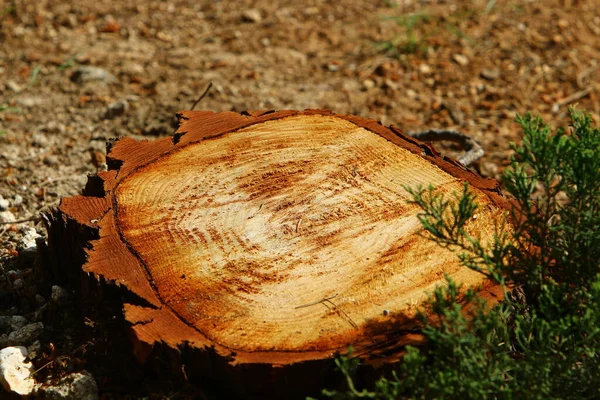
(277, 237)
(240, 233)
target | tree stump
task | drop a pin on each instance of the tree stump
(254, 247)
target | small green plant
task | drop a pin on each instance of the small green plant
(543, 341)
(6, 108)
(411, 41)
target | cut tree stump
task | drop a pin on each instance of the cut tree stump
(252, 248)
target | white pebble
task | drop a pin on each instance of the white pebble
(4, 204)
(251, 15)
(461, 60)
(7, 217)
(15, 373)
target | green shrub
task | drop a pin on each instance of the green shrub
(543, 341)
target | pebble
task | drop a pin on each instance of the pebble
(26, 335)
(29, 102)
(15, 373)
(40, 299)
(425, 69)
(87, 73)
(18, 284)
(251, 15)
(115, 109)
(18, 200)
(17, 322)
(461, 59)
(80, 386)
(4, 203)
(7, 217)
(51, 160)
(411, 94)
(390, 84)
(58, 295)
(490, 73)
(28, 241)
(14, 86)
(368, 84)
(34, 349)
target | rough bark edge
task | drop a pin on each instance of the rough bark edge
(127, 155)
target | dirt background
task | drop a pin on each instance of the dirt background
(470, 66)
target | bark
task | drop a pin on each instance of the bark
(252, 248)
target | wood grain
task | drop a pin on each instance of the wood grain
(273, 237)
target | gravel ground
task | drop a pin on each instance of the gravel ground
(73, 75)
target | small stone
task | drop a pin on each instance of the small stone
(17, 322)
(17, 200)
(29, 102)
(14, 86)
(368, 84)
(488, 169)
(18, 284)
(490, 73)
(80, 385)
(58, 295)
(15, 373)
(333, 66)
(461, 59)
(28, 241)
(563, 23)
(425, 69)
(86, 74)
(390, 84)
(34, 349)
(7, 217)
(4, 204)
(265, 41)
(251, 15)
(40, 299)
(411, 94)
(115, 109)
(38, 315)
(26, 334)
(39, 140)
(51, 160)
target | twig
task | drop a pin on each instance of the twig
(197, 101)
(335, 307)
(54, 180)
(317, 302)
(354, 325)
(42, 367)
(569, 99)
(20, 221)
(474, 151)
(202, 95)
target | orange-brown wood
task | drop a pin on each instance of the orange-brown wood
(273, 238)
